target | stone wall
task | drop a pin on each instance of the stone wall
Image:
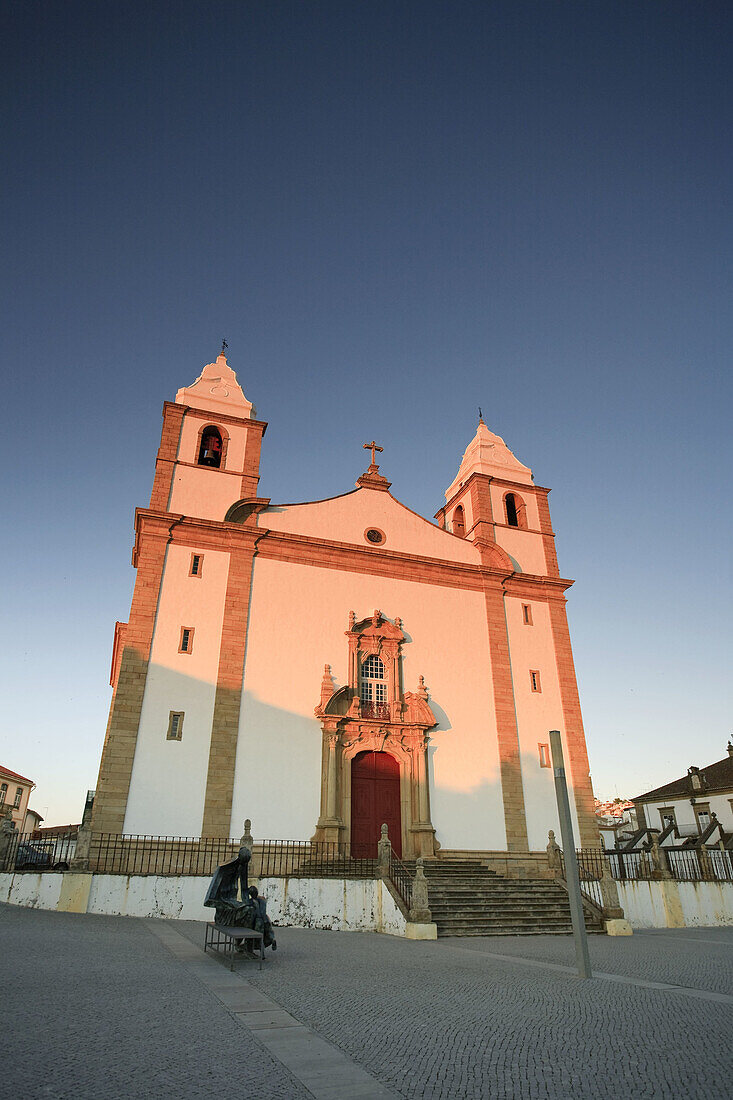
(349, 905)
(671, 904)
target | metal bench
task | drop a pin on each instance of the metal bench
(225, 938)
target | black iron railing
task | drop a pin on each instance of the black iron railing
(311, 859)
(30, 852)
(401, 878)
(127, 854)
(590, 873)
(683, 864)
(375, 710)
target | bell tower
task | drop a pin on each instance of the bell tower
(493, 501)
(209, 455)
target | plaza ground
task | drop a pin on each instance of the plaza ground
(106, 1007)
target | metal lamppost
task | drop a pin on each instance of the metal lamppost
(571, 863)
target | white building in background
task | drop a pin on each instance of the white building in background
(690, 801)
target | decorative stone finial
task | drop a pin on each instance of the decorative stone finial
(384, 851)
(419, 910)
(553, 854)
(376, 617)
(352, 620)
(247, 840)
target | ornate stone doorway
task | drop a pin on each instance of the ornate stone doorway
(375, 798)
(371, 718)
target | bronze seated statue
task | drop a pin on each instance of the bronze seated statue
(246, 911)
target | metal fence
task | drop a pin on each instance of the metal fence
(31, 852)
(590, 873)
(401, 878)
(684, 864)
(142, 854)
(311, 859)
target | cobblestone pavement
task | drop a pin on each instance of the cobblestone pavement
(101, 1008)
(97, 1008)
(447, 1020)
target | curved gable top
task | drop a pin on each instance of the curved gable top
(487, 453)
(216, 390)
(346, 519)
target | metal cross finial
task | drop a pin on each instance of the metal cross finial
(223, 345)
(480, 415)
(373, 447)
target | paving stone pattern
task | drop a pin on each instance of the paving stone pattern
(443, 1019)
(100, 1007)
(97, 1008)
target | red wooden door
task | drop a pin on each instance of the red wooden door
(375, 798)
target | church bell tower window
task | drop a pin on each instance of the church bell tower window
(459, 522)
(210, 449)
(516, 513)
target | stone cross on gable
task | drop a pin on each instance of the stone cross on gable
(373, 447)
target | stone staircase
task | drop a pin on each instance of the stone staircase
(466, 899)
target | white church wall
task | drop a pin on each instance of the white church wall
(204, 493)
(347, 517)
(278, 767)
(525, 547)
(169, 777)
(532, 648)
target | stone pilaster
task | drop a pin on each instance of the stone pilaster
(227, 701)
(115, 769)
(506, 722)
(573, 721)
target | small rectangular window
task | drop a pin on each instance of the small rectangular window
(667, 816)
(197, 565)
(186, 645)
(3, 792)
(175, 725)
(534, 678)
(526, 614)
(544, 755)
(702, 813)
(18, 796)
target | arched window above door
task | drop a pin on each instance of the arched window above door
(373, 688)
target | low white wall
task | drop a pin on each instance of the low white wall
(346, 905)
(34, 891)
(349, 905)
(670, 904)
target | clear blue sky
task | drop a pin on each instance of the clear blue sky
(394, 212)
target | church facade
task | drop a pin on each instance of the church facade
(325, 667)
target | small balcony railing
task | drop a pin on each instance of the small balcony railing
(379, 711)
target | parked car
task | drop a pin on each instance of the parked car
(31, 857)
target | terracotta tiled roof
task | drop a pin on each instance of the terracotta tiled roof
(716, 777)
(56, 830)
(14, 775)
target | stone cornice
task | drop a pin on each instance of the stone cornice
(328, 554)
(216, 417)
